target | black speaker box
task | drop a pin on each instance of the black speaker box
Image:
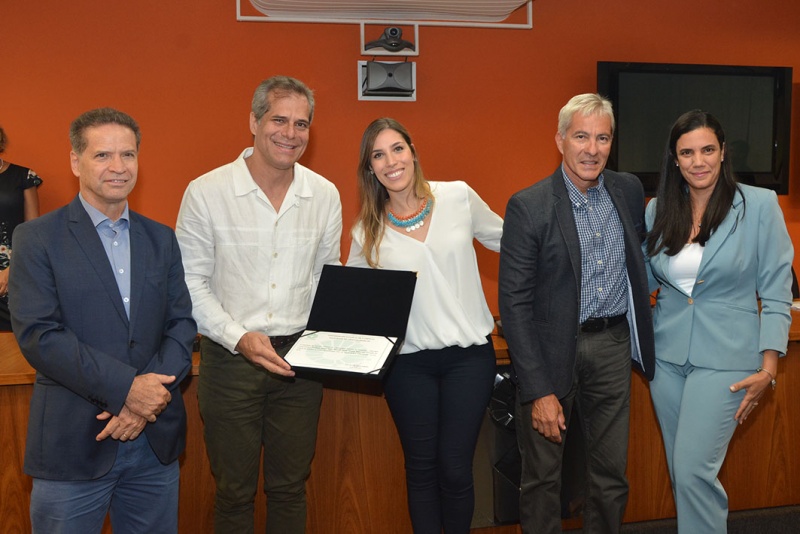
(388, 79)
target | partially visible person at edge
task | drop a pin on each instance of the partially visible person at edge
(19, 202)
(575, 310)
(100, 309)
(715, 247)
(255, 234)
(439, 385)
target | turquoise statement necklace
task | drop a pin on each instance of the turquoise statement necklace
(415, 220)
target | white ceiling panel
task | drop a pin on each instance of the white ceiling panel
(435, 10)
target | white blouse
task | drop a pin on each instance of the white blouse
(449, 307)
(684, 265)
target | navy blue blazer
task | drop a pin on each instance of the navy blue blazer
(540, 280)
(71, 326)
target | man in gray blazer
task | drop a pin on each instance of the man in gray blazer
(576, 311)
(100, 309)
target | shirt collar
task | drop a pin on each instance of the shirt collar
(576, 197)
(98, 216)
(243, 183)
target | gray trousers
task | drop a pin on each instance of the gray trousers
(601, 393)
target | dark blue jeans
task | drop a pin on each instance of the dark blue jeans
(437, 399)
(140, 493)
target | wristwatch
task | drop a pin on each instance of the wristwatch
(772, 382)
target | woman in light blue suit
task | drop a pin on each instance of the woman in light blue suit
(715, 248)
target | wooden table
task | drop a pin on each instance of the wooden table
(357, 483)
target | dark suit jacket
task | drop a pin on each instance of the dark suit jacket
(540, 280)
(69, 320)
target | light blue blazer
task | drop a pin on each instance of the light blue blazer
(718, 326)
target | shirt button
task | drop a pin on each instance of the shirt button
(116, 244)
(121, 271)
(126, 299)
(269, 315)
(691, 300)
(275, 255)
(599, 289)
(273, 286)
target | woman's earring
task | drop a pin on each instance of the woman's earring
(371, 172)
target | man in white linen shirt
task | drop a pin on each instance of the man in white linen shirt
(254, 235)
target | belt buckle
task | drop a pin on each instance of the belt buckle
(281, 341)
(278, 341)
(593, 325)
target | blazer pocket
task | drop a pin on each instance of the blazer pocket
(743, 309)
(156, 278)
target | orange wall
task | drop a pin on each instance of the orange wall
(486, 106)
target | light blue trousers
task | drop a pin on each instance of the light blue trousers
(695, 410)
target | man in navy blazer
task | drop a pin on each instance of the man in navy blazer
(100, 309)
(575, 310)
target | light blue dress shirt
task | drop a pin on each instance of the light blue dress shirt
(115, 236)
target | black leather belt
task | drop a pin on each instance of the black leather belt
(598, 324)
(282, 341)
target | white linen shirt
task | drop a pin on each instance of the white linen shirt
(248, 267)
(449, 307)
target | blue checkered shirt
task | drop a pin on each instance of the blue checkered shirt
(604, 277)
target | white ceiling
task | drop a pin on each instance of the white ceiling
(400, 10)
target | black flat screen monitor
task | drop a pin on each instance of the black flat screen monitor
(752, 103)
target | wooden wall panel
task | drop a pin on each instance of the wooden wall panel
(15, 487)
(357, 484)
(650, 493)
(762, 468)
(357, 480)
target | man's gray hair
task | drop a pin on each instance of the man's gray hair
(585, 104)
(281, 86)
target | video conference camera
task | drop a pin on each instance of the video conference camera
(391, 40)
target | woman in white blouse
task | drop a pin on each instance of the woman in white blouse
(714, 248)
(439, 385)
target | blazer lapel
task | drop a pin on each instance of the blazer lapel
(566, 222)
(660, 264)
(631, 236)
(139, 258)
(722, 232)
(87, 239)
